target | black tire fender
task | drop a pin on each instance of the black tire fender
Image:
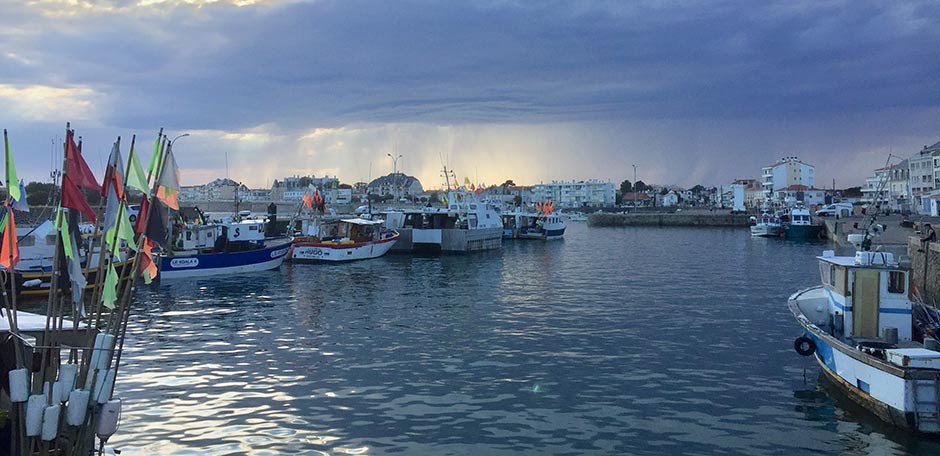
(804, 346)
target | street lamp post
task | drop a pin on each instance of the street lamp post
(634, 188)
(395, 174)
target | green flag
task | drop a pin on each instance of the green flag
(154, 168)
(64, 233)
(124, 232)
(109, 293)
(136, 177)
(13, 184)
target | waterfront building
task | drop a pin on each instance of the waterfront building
(222, 189)
(577, 193)
(800, 193)
(396, 184)
(889, 187)
(924, 177)
(786, 172)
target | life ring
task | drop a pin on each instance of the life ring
(804, 346)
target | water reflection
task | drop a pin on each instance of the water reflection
(614, 341)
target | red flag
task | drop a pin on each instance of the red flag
(9, 251)
(114, 174)
(140, 225)
(308, 201)
(75, 165)
(72, 198)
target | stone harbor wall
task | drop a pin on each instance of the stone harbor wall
(925, 266)
(674, 219)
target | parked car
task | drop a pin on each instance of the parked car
(132, 212)
(834, 209)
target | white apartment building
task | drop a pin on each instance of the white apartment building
(890, 187)
(924, 177)
(577, 194)
(786, 172)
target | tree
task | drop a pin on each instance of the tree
(517, 200)
(640, 186)
(37, 193)
(697, 189)
(508, 183)
(664, 191)
(626, 187)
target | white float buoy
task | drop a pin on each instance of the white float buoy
(19, 385)
(31, 283)
(67, 375)
(56, 392)
(34, 408)
(78, 406)
(50, 422)
(108, 419)
(103, 386)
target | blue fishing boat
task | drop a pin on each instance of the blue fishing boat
(223, 247)
(801, 225)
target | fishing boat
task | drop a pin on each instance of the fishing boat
(33, 273)
(800, 225)
(343, 240)
(542, 224)
(228, 246)
(859, 325)
(464, 224)
(766, 225)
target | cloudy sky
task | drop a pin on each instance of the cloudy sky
(533, 91)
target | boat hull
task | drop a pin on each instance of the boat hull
(905, 397)
(766, 231)
(448, 240)
(209, 264)
(315, 252)
(804, 232)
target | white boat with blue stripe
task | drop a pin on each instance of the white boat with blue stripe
(231, 247)
(859, 326)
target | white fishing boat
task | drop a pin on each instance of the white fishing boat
(766, 225)
(343, 240)
(464, 224)
(222, 247)
(859, 326)
(539, 225)
(576, 216)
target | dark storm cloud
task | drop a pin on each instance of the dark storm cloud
(732, 72)
(335, 62)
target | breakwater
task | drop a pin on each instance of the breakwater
(668, 219)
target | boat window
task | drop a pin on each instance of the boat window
(896, 282)
(189, 235)
(825, 273)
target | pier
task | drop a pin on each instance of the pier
(683, 218)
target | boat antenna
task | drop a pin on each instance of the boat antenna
(872, 215)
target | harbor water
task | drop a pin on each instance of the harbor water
(633, 340)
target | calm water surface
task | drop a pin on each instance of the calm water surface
(613, 341)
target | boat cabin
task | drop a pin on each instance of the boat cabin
(219, 236)
(867, 294)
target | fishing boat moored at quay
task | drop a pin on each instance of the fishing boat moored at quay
(870, 338)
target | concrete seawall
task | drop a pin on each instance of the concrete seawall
(673, 219)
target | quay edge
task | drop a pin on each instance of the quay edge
(706, 219)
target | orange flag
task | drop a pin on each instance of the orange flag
(146, 264)
(9, 251)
